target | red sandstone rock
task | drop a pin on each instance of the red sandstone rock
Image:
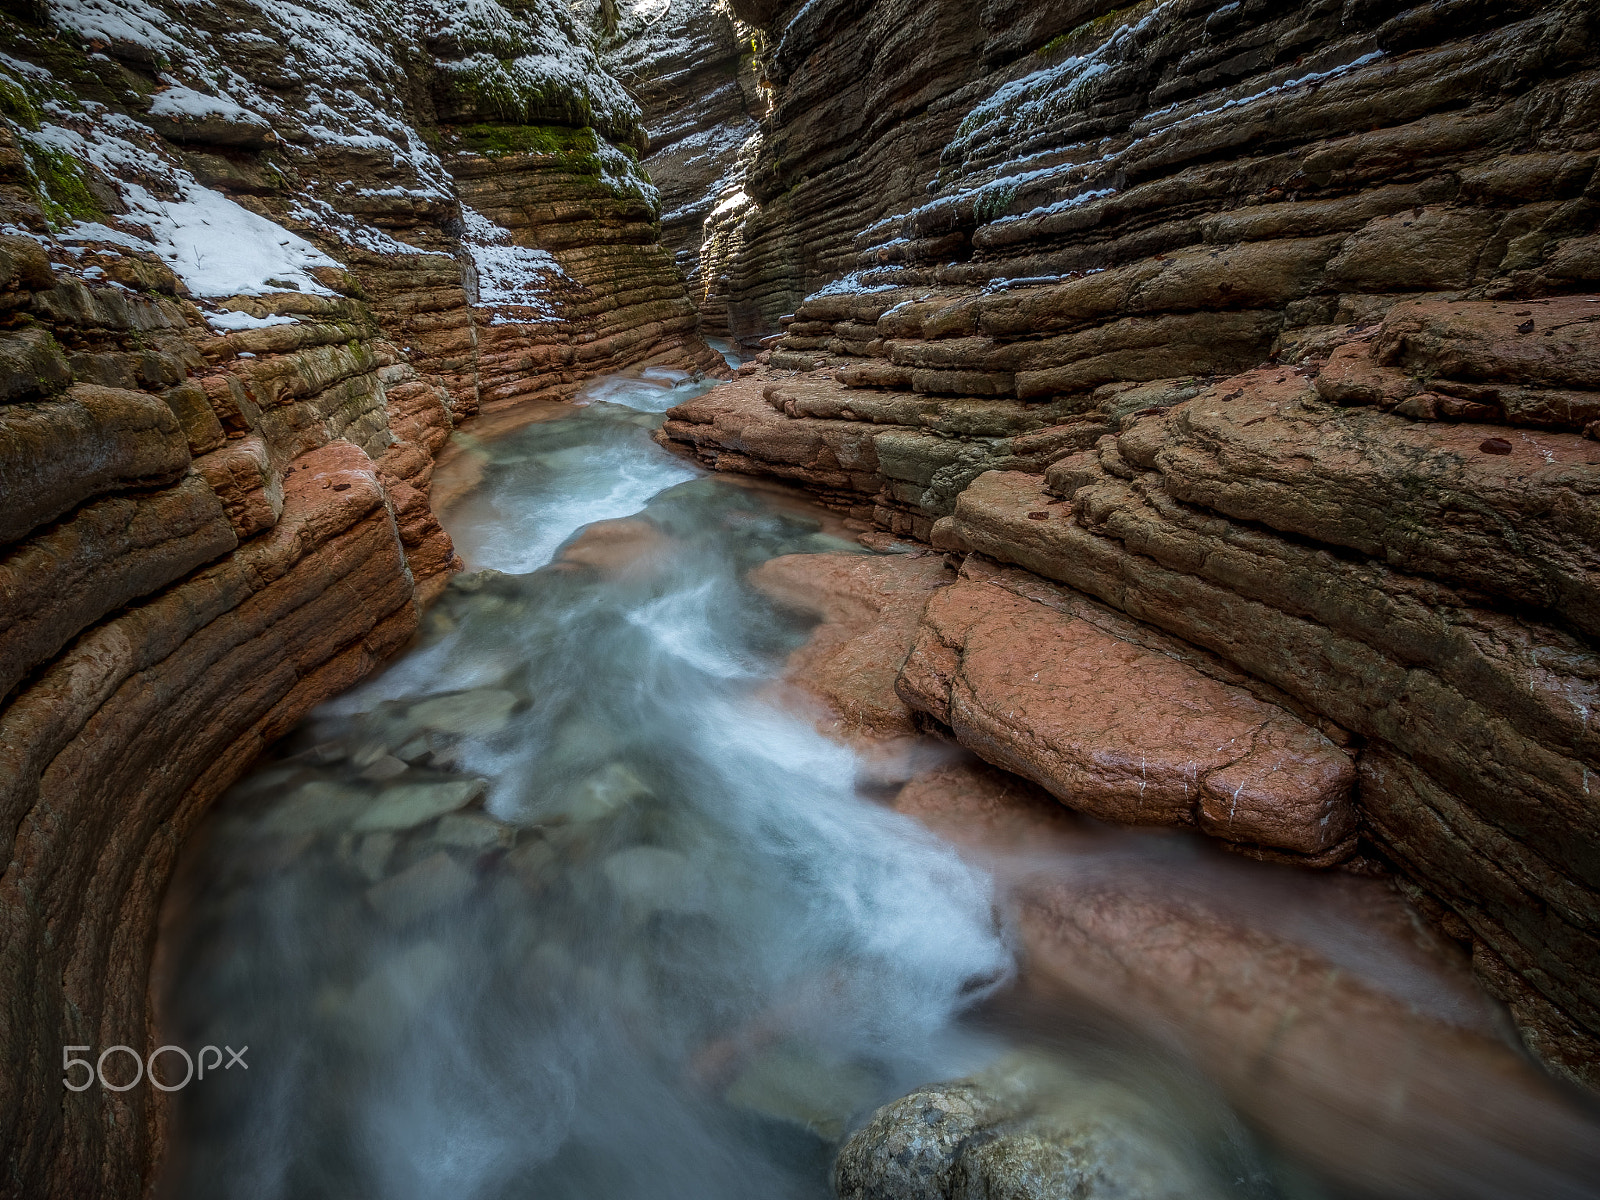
(1489, 705)
(1315, 1002)
(119, 746)
(869, 607)
(1120, 731)
(58, 453)
(627, 547)
(111, 551)
(1420, 496)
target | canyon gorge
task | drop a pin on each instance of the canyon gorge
(1157, 437)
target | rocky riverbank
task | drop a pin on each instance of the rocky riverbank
(257, 264)
(1249, 347)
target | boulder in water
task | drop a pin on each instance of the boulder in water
(480, 712)
(1028, 1128)
(411, 804)
(657, 879)
(422, 888)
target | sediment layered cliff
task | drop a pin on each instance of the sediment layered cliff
(257, 263)
(1244, 356)
(692, 65)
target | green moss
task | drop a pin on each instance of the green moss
(993, 202)
(61, 52)
(63, 193)
(1094, 31)
(495, 140)
(498, 90)
(15, 104)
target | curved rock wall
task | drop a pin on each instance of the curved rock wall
(1272, 327)
(693, 67)
(257, 263)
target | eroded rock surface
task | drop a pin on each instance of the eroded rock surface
(869, 608)
(1322, 1008)
(1269, 328)
(1120, 730)
(258, 264)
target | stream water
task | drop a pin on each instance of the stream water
(559, 905)
(568, 903)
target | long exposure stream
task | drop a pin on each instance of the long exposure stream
(559, 905)
(568, 903)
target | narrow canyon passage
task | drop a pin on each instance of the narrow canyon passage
(665, 940)
(574, 901)
(1097, 702)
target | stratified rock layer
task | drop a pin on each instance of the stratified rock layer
(258, 263)
(1271, 329)
(1120, 730)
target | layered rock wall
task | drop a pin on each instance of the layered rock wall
(257, 263)
(692, 64)
(1271, 327)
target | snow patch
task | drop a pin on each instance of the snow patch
(508, 274)
(229, 322)
(1060, 206)
(180, 101)
(852, 285)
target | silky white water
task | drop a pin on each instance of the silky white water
(686, 956)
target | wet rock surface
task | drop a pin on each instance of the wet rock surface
(1023, 1130)
(869, 608)
(1303, 998)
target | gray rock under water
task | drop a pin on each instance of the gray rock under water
(479, 712)
(411, 804)
(1025, 1129)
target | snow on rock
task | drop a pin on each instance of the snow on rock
(1026, 105)
(620, 173)
(853, 284)
(179, 101)
(115, 22)
(510, 275)
(326, 219)
(535, 65)
(229, 322)
(212, 243)
(354, 63)
(219, 248)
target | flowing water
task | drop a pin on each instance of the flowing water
(569, 902)
(560, 905)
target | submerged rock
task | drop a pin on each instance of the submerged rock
(1025, 1129)
(481, 711)
(422, 888)
(473, 831)
(317, 807)
(597, 797)
(789, 1084)
(657, 879)
(411, 804)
